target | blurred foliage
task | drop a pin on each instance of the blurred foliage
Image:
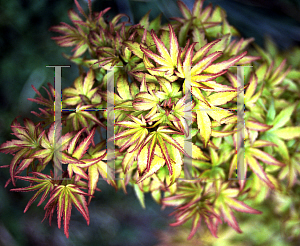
(26, 49)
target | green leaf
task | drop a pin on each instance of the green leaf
(283, 117)
(145, 20)
(183, 33)
(184, 10)
(204, 125)
(135, 48)
(155, 24)
(123, 87)
(140, 195)
(271, 113)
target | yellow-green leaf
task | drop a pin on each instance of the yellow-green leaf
(288, 133)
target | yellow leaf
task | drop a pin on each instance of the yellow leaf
(221, 98)
(128, 160)
(218, 67)
(203, 50)
(218, 113)
(175, 155)
(174, 47)
(156, 164)
(142, 159)
(252, 87)
(161, 48)
(205, 63)
(204, 125)
(88, 82)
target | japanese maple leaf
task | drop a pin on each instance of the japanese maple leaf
(28, 143)
(63, 196)
(250, 97)
(78, 160)
(136, 134)
(50, 147)
(203, 111)
(175, 115)
(124, 100)
(83, 91)
(44, 184)
(81, 117)
(192, 202)
(226, 201)
(99, 167)
(252, 155)
(199, 17)
(49, 103)
(161, 139)
(278, 133)
(168, 59)
(146, 99)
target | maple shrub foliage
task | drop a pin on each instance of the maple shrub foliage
(151, 64)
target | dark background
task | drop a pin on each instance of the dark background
(25, 51)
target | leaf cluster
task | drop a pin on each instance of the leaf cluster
(157, 117)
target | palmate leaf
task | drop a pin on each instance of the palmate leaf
(29, 141)
(81, 160)
(205, 19)
(252, 155)
(157, 163)
(64, 196)
(203, 70)
(49, 103)
(83, 90)
(137, 131)
(50, 147)
(145, 101)
(161, 139)
(44, 183)
(291, 171)
(168, 59)
(226, 201)
(191, 203)
(83, 117)
(124, 100)
(218, 114)
(175, 117)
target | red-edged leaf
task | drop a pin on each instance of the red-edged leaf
(218, 67)
(195, 225)
(264, 157)
(82, 148)
(184, 10)
(14, 163)
(72, 144)
(258, 170)
(257, 126)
